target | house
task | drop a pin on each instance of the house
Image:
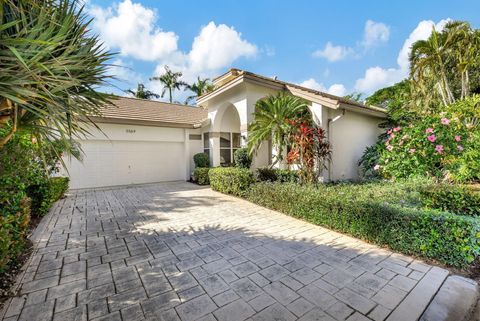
(142, 141)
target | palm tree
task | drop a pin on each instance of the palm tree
(443, 64)
(273, 118)
(201, 87)
(51, 65)
(170, 81)
(142, 93)
(428, 62)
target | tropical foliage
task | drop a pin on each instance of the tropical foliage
(142, 92)
(199, 88)
(444, 66)
(51, 67)
(310, 149)
(170, 81)
(439, 97)
(273, 118)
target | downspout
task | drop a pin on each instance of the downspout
(329, 126)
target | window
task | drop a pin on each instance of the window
(229, 143)
(206, 143)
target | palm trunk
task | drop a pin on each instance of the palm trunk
(170, 94)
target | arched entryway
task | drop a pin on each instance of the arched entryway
(225, 136)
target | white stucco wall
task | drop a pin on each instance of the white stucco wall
(349, 133)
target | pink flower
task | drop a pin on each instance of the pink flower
(439, 149)
(412, 150)
(376, 167)
(389, 147)
(389, 131)
(460, 147)
(432, 138)
(404, 136)
(445, 121)
(396, 129)
(429, 130)
(458, 138)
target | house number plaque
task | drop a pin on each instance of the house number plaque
(130, 131)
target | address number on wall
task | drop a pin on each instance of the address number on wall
(130, 131)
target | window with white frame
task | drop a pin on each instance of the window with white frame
(206, 143)
(229, 143)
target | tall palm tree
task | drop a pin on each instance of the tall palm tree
(444, 63)
(51, 65)
(272, 121)
(199, 88)
(170, 81)
(142, 92)
(428, 62)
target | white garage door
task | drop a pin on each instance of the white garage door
(109, 163)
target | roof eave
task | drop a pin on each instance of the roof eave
(124, 121)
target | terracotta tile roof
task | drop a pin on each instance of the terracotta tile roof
(133, 109)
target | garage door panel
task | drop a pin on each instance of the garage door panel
(109, 163)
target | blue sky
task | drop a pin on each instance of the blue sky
(335, 46)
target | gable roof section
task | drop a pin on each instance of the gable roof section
(236, 76)
(126, 110)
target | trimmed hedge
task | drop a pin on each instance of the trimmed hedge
(458, 199)
(14, 220)
(200, 175)
(45, 193)
(230, 180)
(266, 174)
(449, 238)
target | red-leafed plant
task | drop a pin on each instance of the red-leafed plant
(310, 149)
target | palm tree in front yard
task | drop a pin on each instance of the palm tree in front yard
(273, 118)
(51, 67)
(170, 81)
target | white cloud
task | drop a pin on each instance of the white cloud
(124, 72)
(218, 46)
(130, 28)
(378, 77)
(333, 53)
(335, 89)
(375, 33)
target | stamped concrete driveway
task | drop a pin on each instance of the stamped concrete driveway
(177, 251)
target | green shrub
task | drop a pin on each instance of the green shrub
(46, 192)
(230, 180)
(200, 175)
(449, 238)
(201, 160)
(14, 220)
(266, 174)
(58, 186)
(242, 158)
(456, 199)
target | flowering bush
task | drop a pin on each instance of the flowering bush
(430, 147)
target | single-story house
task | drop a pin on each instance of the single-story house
(145, 141)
